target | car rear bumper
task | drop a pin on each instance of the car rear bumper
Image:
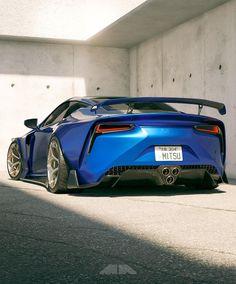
(160, 175)
(166, 175)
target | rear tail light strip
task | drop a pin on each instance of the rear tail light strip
(107, 128)
(210, 129)
(101, 129)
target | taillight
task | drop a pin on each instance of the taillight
(106, 128)
(211, 129)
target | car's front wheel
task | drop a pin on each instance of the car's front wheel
(57, 169)
(14, 161)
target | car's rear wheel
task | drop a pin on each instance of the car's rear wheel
(57, 169)
(14, 161)
(225, 178)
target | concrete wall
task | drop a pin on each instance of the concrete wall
(36, 77)
(196, 59)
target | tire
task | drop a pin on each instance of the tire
(57, 169)
(14, 161)
(225, 178)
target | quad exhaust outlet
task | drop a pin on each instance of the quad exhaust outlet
(170, 180)
(166, 171)
(169, 174)
(175, 171)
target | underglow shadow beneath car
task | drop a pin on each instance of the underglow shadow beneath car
(130, 188)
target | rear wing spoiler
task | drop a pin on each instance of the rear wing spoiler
(200, 102)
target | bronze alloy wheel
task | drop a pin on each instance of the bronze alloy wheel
(53, 163)
(57, 169)
(14, 161)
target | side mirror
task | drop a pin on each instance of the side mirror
(94, 108)
(31, 123)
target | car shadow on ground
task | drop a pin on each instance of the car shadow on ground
(45, 241)
(142, 189)
(132, 188)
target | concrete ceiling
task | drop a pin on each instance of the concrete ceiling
(65, 20)
(141, 20)
(150, 19)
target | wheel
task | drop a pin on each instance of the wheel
(57, 169)
(14, 161)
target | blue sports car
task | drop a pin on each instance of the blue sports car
(87, 141)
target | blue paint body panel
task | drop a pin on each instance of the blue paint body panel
(92, 156)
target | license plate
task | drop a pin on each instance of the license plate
(168, 153)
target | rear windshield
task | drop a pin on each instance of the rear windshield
(124, 108)
(138, 108)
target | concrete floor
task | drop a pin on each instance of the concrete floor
(123, 235)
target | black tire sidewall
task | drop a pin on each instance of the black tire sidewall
(61, 184)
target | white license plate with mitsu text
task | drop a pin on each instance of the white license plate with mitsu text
(168, 153)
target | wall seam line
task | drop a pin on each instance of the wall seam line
(162, 65)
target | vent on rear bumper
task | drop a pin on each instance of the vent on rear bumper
(118, 170)
(211, 169)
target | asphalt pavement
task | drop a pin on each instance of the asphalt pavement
(128, 234)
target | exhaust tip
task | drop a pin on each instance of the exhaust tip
(170, 180)
(166, 171)
(175, 171)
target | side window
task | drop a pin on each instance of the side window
(57, 115)
(73, 107)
